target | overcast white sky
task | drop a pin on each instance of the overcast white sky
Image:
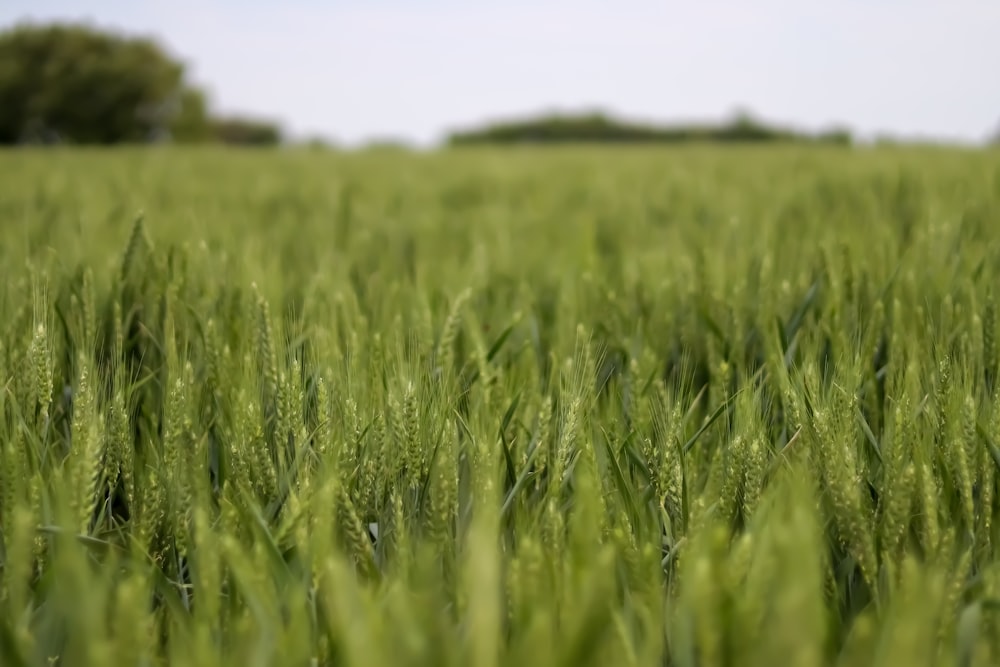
(355, 70)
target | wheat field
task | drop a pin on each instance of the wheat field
(687, 407)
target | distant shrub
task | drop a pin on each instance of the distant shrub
(245, 131)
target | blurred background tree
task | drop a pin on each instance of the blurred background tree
(75, 84)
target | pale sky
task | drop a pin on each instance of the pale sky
(353, 70)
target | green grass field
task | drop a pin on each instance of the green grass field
(566, 407)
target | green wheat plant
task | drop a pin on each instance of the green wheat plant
(693, 408)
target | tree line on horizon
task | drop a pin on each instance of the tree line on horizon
(75, 84)
(601, 128)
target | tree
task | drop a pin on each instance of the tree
(76, 84)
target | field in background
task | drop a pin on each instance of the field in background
(496, 407)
